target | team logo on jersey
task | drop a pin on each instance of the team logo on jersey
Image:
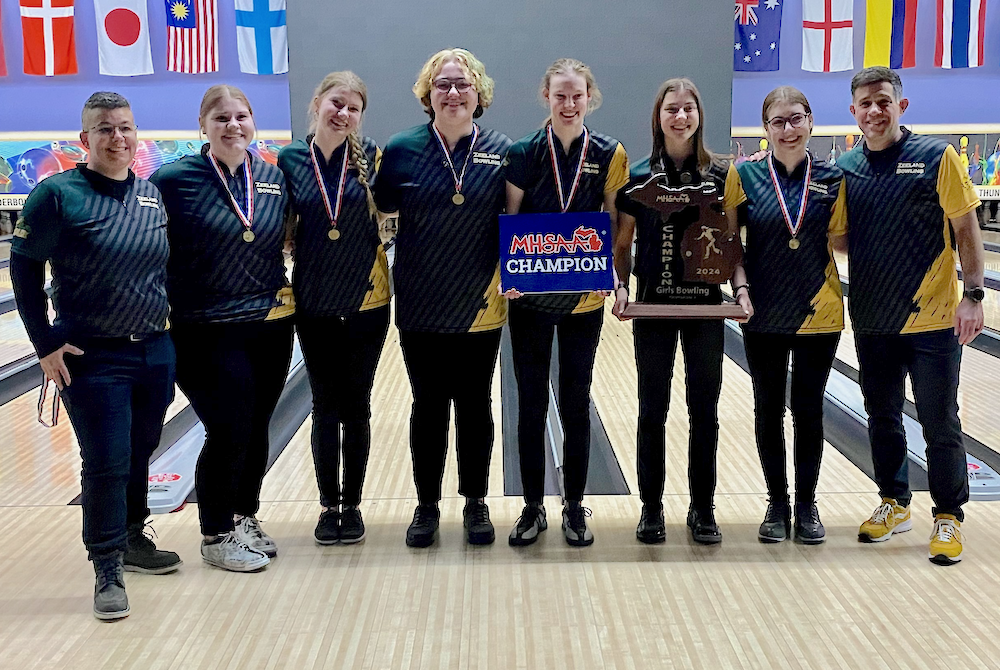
(591, 168)
(822, 189)
(147, 201)
(484, 158)
(267, 188)
(910, 168)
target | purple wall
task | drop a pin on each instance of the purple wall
(936, 95)
(161, 101)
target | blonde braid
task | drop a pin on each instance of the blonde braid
(361, 163)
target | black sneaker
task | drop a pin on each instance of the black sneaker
(328, 527)
(476, 519)
(110, 601)
(141, 555)
(704, 530)
(652, 528)
(423, 529)
(528, 527)
(352, 527)
(777, 525)
(808, 528)
(574, 524)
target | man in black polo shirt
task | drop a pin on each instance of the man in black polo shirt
(910, 203)
(104, 232)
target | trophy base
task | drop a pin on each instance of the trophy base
(650, 310)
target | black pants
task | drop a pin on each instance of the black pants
(119, 394)
(233, 374)
(933, 361)
(655, 345)
(446, 368)
(531, 335)
(812, 357)
(341, 354)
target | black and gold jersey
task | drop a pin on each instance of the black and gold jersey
(214, 275)
(901, 246)
(447, 269)
(659, 265)
(795, 287)
(529, 168)
(348, 274)
(106, 241)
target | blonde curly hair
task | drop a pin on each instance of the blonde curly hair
(474, 69)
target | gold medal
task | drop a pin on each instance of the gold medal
(334, 234)
(458, 198)
(248, 236)
(793, 244)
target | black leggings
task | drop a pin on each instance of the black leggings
(812, 357)
(446, 368)
(531, 335)
(341, 354)
(655, 344)
(233, 374)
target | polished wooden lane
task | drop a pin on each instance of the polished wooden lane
(617, 604)
(14, 342)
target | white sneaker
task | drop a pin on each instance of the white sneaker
(248, 529)
(233, 554)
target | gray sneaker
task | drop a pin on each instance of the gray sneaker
(110, 601)
(248, 529)
(232, 553)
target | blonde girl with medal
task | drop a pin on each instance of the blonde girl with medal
(445, 180)
(341, 286)
(231, 310)
(794, 210)
(680, 158)
(563, 167)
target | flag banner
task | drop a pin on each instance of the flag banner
(758, 30)
(123, 38)
(544, 253)
(891, 33)
(262, 36)
(192, 36)
(49, 42)
(3, 63)
(960, 28)
(827, 35)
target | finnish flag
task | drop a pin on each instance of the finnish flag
(262, 36)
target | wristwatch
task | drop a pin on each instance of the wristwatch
(975, 294)
(623, 285)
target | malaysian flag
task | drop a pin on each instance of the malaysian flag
(192, 36)
(758, 35)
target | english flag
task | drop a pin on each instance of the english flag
(827, 35)
(49, 44)
(123, 37)
(960, 28)
(192, 36)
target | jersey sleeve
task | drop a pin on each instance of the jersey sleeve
(516, 166)
(838, 216)
(617, 171)
(956, 193)
(39, 226)
(734, 194)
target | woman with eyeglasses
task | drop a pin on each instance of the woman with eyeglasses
(341, 286)
(681, 157)
(445, 180)
(563, 167)
(794, 209)
(231, 310)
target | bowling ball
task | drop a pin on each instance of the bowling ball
(36, 164)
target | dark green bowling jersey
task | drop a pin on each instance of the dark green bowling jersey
(447, 270)
(107, 245)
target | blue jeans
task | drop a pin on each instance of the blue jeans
(116, 402)
(933, 360)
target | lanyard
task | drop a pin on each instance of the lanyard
(458, 198)
(793, 228)
(566, 201)
(247, 218)
(332, 210)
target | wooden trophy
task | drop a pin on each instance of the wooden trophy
(709, 249)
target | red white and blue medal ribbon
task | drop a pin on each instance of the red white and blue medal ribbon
(245, 218)
(332, 209)
(564, 200)
(458, 178)
(793, 228)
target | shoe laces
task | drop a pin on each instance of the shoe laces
(882, 512)
(110, 571)
(251, 526)
(423, 514)
(944, 530)
(529, 515)
(478, 513)
(577, 516)
(811, 514)
(775, 513)
(232, 538)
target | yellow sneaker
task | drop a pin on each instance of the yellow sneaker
(888, 518)
(946, 540)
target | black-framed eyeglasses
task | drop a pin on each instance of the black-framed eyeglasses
(445, 85)
(109, 130)
(796, 121)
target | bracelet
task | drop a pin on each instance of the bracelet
(623, 285)
(736, 289)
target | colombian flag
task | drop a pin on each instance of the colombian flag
(890, 33)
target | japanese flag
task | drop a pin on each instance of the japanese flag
(123, 37)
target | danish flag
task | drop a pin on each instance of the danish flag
(49, 43)
(745, 13)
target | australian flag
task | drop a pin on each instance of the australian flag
(757, 35)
